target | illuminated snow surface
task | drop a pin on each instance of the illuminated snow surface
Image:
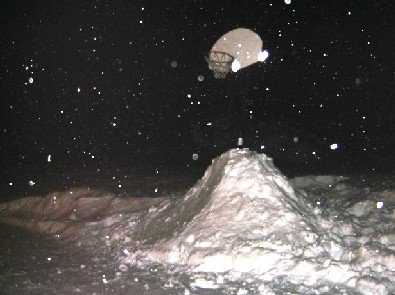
(243, 228)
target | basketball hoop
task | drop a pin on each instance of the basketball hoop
(235, 50)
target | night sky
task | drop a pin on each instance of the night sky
(113, 85)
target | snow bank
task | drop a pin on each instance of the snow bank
(75, 215)
(244, 216)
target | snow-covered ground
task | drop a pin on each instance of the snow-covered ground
(243, 228)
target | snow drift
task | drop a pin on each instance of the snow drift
(242, 217)
(246, 217)
(82, 215)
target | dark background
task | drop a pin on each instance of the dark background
(329, 79)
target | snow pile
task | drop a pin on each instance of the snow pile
(243, 221)
(244, 216)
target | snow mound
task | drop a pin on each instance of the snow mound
(245, 216)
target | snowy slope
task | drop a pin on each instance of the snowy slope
(242, 222)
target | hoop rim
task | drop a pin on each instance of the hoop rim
(207, 57)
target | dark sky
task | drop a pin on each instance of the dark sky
(104, 91)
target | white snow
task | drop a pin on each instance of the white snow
(242, 221)
(248, 218)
